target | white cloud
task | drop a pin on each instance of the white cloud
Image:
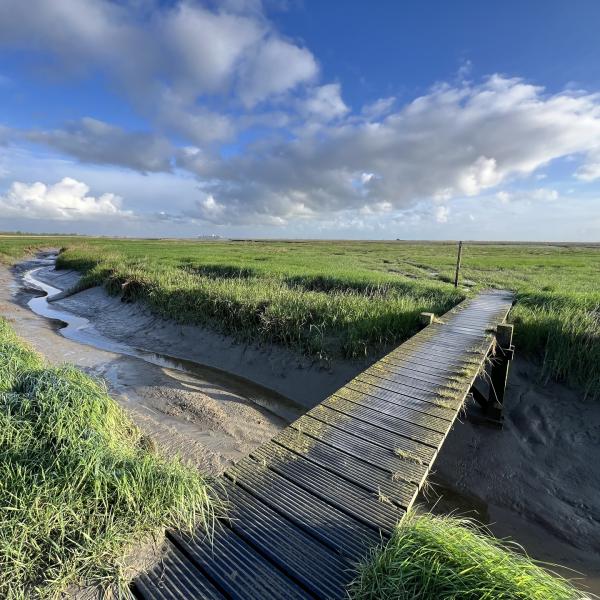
(325, 102)
(164, 55)
(66, 200)
(443, 195)
(204, 47)
(478, 176)
(441, 214)
(504, 197)
(208, 209)
(544, 194)
(194, 123)
(524, 196)
(590, 170)
(275, 67)
(379, 108)
(366, 177)
(452, 142)
(94, 141)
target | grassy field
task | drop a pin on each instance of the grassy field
(443, 558)
(79, 484)
(351, 298)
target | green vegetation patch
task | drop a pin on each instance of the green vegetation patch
(347, 298)
(79, 485)
(346, 313)
(444, 558)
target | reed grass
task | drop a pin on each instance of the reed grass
(445, 558)
(348, 319)
(79, 488)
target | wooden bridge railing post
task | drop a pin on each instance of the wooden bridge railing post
(504, 353)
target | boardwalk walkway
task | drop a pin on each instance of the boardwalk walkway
(305, 507)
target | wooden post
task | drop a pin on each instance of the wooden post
(426, 318)
(499, 374)
(457, 264)
(504, 335)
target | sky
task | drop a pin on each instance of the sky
(301, 118)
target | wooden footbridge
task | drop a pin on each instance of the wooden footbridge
(306, 507)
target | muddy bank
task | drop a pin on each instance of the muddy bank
(304, 381)
(536, 481)
(200, 417)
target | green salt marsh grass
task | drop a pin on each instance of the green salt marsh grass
(79, 484)
(351, 299)
(445, 558)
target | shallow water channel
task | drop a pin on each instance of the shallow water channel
(79, 329)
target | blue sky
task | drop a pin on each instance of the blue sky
(298, 118)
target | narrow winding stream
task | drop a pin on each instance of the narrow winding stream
(81, 330)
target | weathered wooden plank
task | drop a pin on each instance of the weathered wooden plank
(404, 427)
(439, 382)
(353, 429)
(457, 340)
(353, 469)
(406, 371)
(367, 431)
(394, 410)
(437, 353)
(463, 328)
(401, 399)
(366, 451)
(317, 568)
(442, 350)
(444, 333)
(399, 388)
(344, 535)
(350, 499)
(424, 367)
(175, 577)
(412, 381)
(237, 568)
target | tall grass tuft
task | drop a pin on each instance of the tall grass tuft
(78, 488)
(564, 333)
(444, 558)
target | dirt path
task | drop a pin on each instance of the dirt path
(208, 424)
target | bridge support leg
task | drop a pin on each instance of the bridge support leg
(503, 354)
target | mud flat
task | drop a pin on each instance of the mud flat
(304, 381)
(198, 393)
(536, 481)
(209, 417)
